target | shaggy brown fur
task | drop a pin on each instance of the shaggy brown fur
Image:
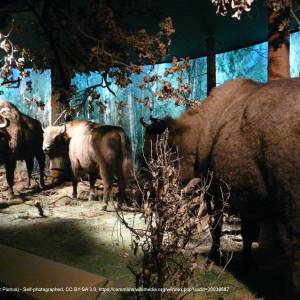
(22, 139)
(248, 134)
(93, 148)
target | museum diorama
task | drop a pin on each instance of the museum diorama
(150, 149)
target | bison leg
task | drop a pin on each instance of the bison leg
(122, 186)
(10, 167)
(107, 183)
(74, 185)
(29, 166)
(106, 192)
(250, 232)
(216, 231)
(289, 233)
(41, 161)
(216, 225)
(92, 178)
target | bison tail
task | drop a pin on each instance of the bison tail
(127, 166)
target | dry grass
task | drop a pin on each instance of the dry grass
(79, 234)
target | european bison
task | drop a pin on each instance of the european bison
(21, 138)
(92, 149)
(248, 134)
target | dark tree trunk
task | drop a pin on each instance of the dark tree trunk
(211, 64)
(279, 41)
(59, 167)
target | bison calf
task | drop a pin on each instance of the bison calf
(92, 149)
(21, 138)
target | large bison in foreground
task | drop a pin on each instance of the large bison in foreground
(92, 149)
(21, 138)
(248, 134)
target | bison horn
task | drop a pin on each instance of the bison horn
(4, 124)
(154, 119)
(143, 122)
(64, 129)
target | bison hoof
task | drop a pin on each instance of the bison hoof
(93, 197)
(10, 196)
(208, 264)
(127, 202)
(104, 207)
(214, 256)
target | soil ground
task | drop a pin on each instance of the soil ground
(80, 234)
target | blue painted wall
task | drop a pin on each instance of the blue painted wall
(41, 90)
(125, 108)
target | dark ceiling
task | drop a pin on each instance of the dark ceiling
(194, 22)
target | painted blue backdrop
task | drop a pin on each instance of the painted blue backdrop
(125, 109)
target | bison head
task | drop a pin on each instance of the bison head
(151, 134)
(156, 127)
(55, 143)
(181, 138)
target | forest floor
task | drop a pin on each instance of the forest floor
(78, 233)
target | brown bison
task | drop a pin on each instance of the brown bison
(92, 149)
(21, 138)
(248, 135)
